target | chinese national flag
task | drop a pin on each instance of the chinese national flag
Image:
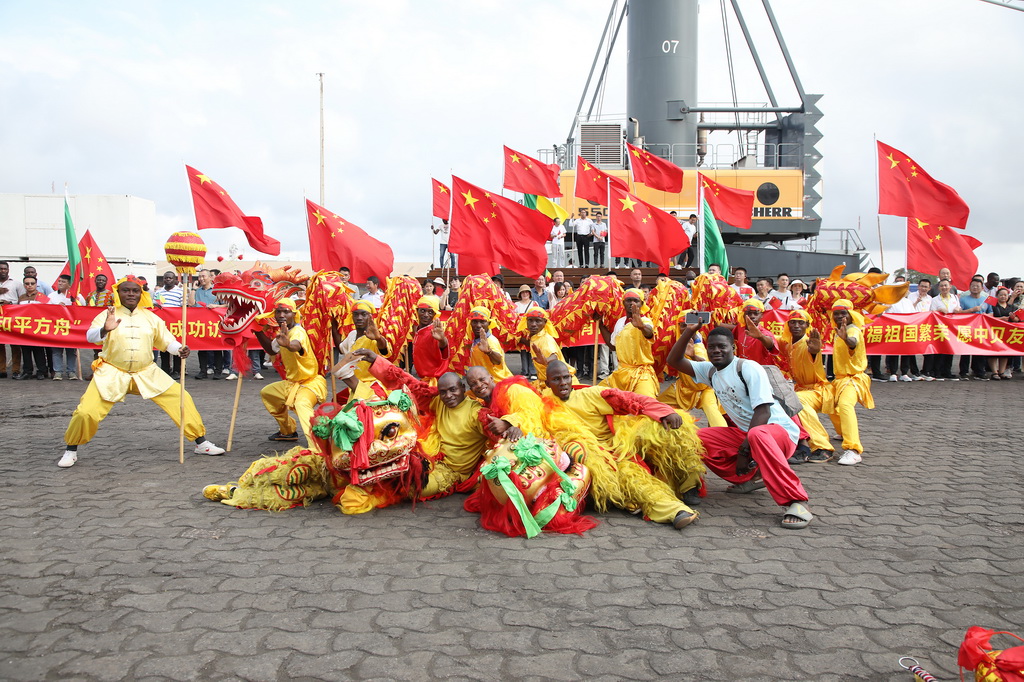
(904, 189)
(592, 182)
(493, 229)
(335, 243)
(215, 209)
(730, 205)
(93, 263)
(655, 172)
(639, 230)
(442, 195)
(472, 265)
(528, 175)
(933, 247)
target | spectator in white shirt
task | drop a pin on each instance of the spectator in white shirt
(558, 244)
(740, 283)
(373, 293)
(945, 302)
(584, 230)
(781, 292)
(64, 360)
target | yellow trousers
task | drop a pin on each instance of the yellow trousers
(653, 495)
(442, 479)
(275, 399)
(636, 378)
(709, 403)
(845, 418)
(812, 403)
(92, 409)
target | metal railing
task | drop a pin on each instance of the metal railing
(719, 155)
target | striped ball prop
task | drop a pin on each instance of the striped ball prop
(185, 251)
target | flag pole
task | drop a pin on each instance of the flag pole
(701, 241)
(597, 323)
(321, 75)
(881, 250)
(234, 410)
(184, 339)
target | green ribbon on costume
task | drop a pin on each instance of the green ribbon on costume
(498, 470)
(344, 429)
(530, 451)
(400, 399)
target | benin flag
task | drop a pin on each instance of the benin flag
(74, 255)
(714, 247)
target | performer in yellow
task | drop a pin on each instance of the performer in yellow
(365, 335)
(542, 339)
(618, 479)
(631, 341)
(851, 385)
(303, 386)
(686, 394)
(129, 333)
(486, 351)
(455, 441)
(801, 343)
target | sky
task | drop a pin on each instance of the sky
(116, 97)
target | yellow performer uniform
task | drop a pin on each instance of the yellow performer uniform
(303, 387)
(545, 342)
(633, 350)
(631, 486)
(479, 354)
(456, 434)
(125, 365)
(353, 342)
(810, 382)
(851, 385)
(686, 394)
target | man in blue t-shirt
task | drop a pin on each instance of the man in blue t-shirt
(974, 303)
(751, 454)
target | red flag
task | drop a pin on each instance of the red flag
(498, 230)
(933, 247)
(442, 195)
(775, 302)
(730, 205)
(528, 175)
(655, 172)
(639, 230)
(473, 265)
(592, 182)
(904, 189)
(335, 243)
(93, 263)
(992, 301)
(215, 209)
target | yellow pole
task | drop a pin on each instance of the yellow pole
(234, 411)
(184, 338)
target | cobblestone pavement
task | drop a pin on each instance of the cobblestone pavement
(119, 568)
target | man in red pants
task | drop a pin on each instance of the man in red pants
(752, 453)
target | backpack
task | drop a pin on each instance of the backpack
(783, 392)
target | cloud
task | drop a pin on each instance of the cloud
(115, 101)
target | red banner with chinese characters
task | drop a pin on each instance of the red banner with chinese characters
(893, 334)
(927, 333)
(60, 326)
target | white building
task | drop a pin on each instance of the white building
(32, 229)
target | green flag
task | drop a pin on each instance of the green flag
(74, 255)
(714, 247)
(530, 201)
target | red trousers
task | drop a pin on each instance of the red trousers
(770, 447)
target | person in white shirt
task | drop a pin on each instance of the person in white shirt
(904, 367)
(584, 230)
(781, 292)
(8, 296)
(740, 283)
(64, 360)
(373, 293)
(444, 229)
(763, 290)
(169, 296)
(558, 244)
(600, 241)
(944, 302)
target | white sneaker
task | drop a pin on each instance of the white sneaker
(906, 377)
(208, 448)
(232, 376)
(209, 371)
(257, 376)
(68, 460)
(268, 363)
(1007, 375)
(893, 377)
(225, 371)
(57, 377)
(850, 457)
